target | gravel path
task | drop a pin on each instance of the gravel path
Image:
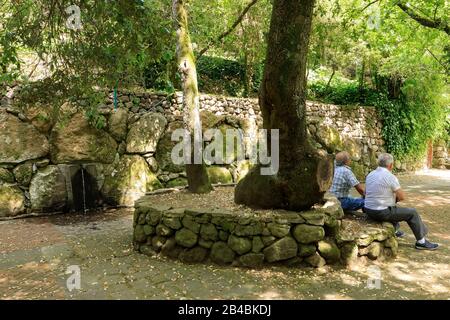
(36, 252)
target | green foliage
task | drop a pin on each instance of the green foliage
(117, 41)
(224, 76)
(342, 94)
(409, 122)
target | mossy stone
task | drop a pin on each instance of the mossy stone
(304, 233)
(221, 253)
(240, 245)
(186, 238)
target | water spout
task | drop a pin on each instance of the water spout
(84, 190)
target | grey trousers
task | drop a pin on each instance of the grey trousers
(396, 215)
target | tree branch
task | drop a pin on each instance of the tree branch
(226, 33)
(425, 21)
(369, 4)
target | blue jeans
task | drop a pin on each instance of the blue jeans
(351, 204)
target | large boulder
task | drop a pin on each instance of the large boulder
(128, 179)
(353, 147)
(12, 201)
(48, 190)
(77, 140)
(164, 149)
(144, 134)
(330, 138)
(219, 175)
(20, 141)
(42, 117)
(117, 124)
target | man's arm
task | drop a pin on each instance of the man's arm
(361, 190)
(397, 189)
(400, 195)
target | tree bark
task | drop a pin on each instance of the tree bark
(198, 179)
(304, 173)
(438, 24)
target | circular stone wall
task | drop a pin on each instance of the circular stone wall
(240, 236)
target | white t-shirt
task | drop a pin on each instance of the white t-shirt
(381, 186)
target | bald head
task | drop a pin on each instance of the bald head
(342, 158)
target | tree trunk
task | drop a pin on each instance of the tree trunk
(197, 175)
(304, 173)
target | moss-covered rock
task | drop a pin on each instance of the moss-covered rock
(139, 234)
(128, 179)
(144, 134)
(257, 244)
(77, 140)
(117, 124)
(252, 260)
(392, 243)
(172, 222)
(307, 234)
(316, 260)
(189, 223)
(279, 230)
(48, 190)
(186, 238)
(205, 243)
(177, 182)
(221, 253)
(240, 245)
(282, 249)
(164, 149)
(158, 242)
(353, 147)
(219, 175)
(330, 138)
(194, 255)
(12, 201)
(6, 176)
(349, 254)
(329, 250)
(149, 230)
(242, 168)
(42, 117)
(23, 173)
(20, 141)
(305, 250)
(209, 232)
(163, 230)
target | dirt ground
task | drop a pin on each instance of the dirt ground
(36, 253)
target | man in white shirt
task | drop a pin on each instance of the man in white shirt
(383, 191)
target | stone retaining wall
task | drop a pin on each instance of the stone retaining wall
(440, 155)
(213, 235)
(130, 155)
